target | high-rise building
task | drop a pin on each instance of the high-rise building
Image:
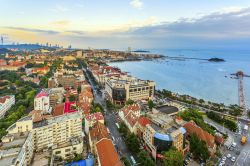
(121, 89)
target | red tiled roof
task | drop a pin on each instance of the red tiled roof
(95, 116)
(58, 110)
(131, 119)
(16, 63)
(107, 153)
(219, 140)
(133, 108)
(38, 116)
(144, 121)
(41, 94)
(4, 98)
(191, 128)
(98, 132)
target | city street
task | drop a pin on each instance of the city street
(242, 159)
(110, 119)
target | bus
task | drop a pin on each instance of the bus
(117, 125)
(133, 160)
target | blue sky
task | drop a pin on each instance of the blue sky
(123, 23)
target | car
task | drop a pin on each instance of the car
(224, 158)
(234, 144)
(228, 155)
(233, 159)
(238, 152)
(231, 148)
(222, 163)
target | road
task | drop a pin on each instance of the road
(111, 120)
(242, 159)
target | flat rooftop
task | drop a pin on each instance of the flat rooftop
(167, 109)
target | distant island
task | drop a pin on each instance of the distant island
(141, 51)
(216, 60)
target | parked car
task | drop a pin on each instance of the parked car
(228, 155)
(222, 163)
(224, 158)
(233, 159)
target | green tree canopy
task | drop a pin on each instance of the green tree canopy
(144, 159)
(172, 157)
(130, 102)
(198, 147)
(151, 104)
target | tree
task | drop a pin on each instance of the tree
(77, 157)
(130, 102)
(72, 98)
(79, 88)
(144, 159)
(173, 158)
(123, 129)
(132, 143)
(198, 147)
(125, 161)
(151, 104)
(18, 83)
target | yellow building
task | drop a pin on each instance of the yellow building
(51, 132)
(69, 149)
(121, 89)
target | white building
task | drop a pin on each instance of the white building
(130, 115)
(41, 102)
(5, 103)
(91, 119)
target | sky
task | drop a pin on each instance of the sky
(128, 23)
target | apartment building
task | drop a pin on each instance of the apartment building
(16, 149)
(102, 146)
(120, 89)
(56, 95)
(162, 134)
(209, 139)
(91, 119)
(5, 104)
(57, 130)
(68, 149)
(130, 115)
(41, 102)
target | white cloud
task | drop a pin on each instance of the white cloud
(138, 4)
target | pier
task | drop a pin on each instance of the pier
(240, 75)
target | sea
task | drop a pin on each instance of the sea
(211, 81)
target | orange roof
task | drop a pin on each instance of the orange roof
(133, 108)
(4, 98)
(131, 119)
(107, 153)
(144, 121)
(59, 108)
(219, 140)
(98, 132)
(16, 63)
(191, 128)
(38, 116)
(85, 106)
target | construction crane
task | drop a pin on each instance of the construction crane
(242, 103)
(2, 40)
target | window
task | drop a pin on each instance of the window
(67, 150)
(58, 152)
